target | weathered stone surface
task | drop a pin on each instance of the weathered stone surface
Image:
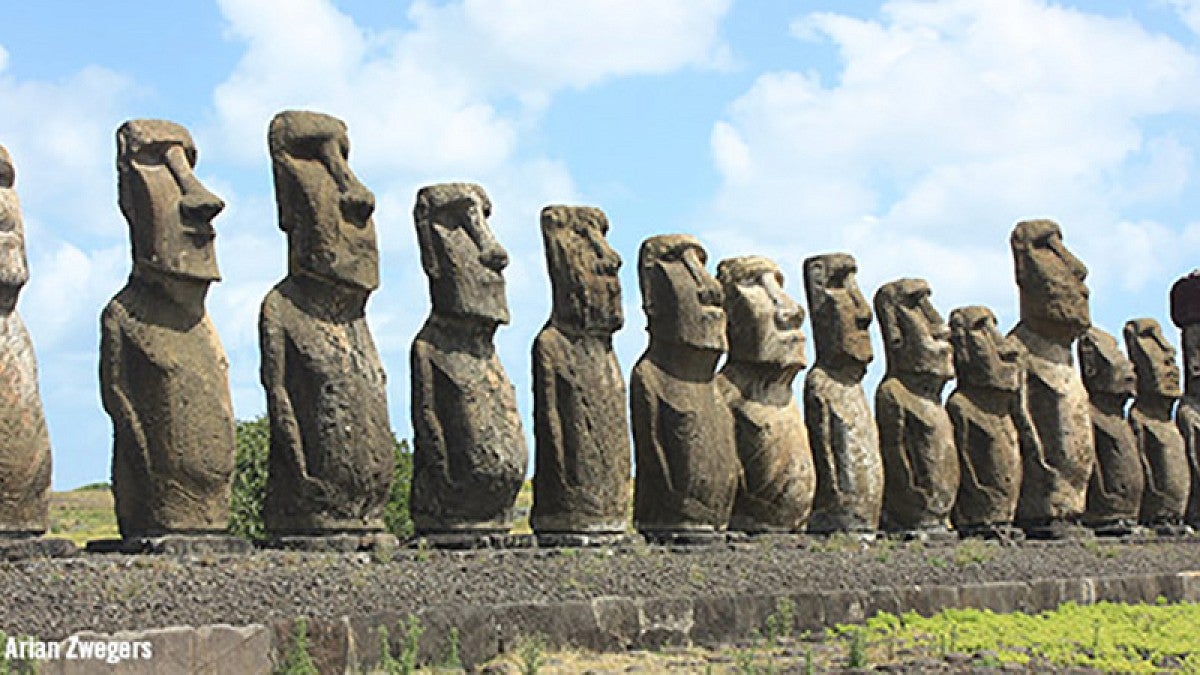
(332, 452)
(1161, 445)
(766, 352)
(1185, 313)
(687, 464)
(173, 545)
(208, 650)
(980, 409)
(163, 374)
(916, 437)
(24, 441)
(379, 542)
(1052, 412)
(1115, 489)
(841, 429)
(23, 547)
(582, 467)
(469, 454)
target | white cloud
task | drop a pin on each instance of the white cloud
(1189, 13)
(948, 122)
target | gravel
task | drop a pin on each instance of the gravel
(54, 598)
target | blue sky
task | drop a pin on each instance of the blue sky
(911, 134)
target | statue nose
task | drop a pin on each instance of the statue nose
(358, 203)
(494, 257)
(200, 207)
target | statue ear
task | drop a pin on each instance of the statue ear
(425, 242)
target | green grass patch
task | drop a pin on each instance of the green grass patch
(1106, 636)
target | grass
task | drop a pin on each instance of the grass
(83, 513)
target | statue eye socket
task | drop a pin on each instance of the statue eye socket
(306, 148)
(152, 154)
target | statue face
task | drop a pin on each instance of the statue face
(14, 271)
(1054, 296)
(583, 270)
(840, 314)
(681, 299)
(459, 254)
(983, 357)
(1153, 359)
(169, 211)
(1105, 368)
(1191, 356)
(916, 338)
(323, 207)
(763, 322)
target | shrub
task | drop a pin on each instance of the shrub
(250, 483)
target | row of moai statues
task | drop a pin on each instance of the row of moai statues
(1012, 447)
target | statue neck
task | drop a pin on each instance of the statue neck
(1108, 403)
(8, 298)
(328, 300)
(762, 382)
(1155, 406)
(684, 361)
(925, 385)
(1054, 346)
(472, 333)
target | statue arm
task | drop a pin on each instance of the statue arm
(429, 437)
(1032, 448)
(114, 388)
(1186, 420)
(1139, 444)
(894, 443)
(547, 423)
(643, 410)
(818, 419)
(285, 429)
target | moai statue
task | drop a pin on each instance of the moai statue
(582, 465)
(1115, 491)
(980, 408)
(841, 429)
(1164, 456)
(1185, 313)
(163, 374)
(766, 352)
(916, 438)
(469, 454)
(332, 452)
(25, 444)
(687, 463)
(1052, 413)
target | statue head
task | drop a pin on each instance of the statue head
(681, 299)
(168, 210)
(762, 321)
(14, 270)
(583, 270)
(323, 208)
(1104, 367)
(915, 338)
(838, 311)
(1153, 359)
(983, 357)
(459, 254)
(1054, 297)
(1185, 313)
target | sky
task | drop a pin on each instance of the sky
(911, 134)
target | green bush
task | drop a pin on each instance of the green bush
(250, 483)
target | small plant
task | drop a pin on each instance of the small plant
(299, 661)
(531, 652)
(453, 657)
(809, 667)
(857, 657)
(781, 622)
(388, 664)
(972, 551)
(413, 630)
(936, 562)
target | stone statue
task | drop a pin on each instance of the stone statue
(469, 454)
(980, 408)
(1164, 455)
(581, 478)
(916, 438)
(24, 443)
(766, 352)
(687, 463)
(332, 452)
(1052, 413)
(1185, 313)
(163, 374)
(1115, 491)
(845, 442)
